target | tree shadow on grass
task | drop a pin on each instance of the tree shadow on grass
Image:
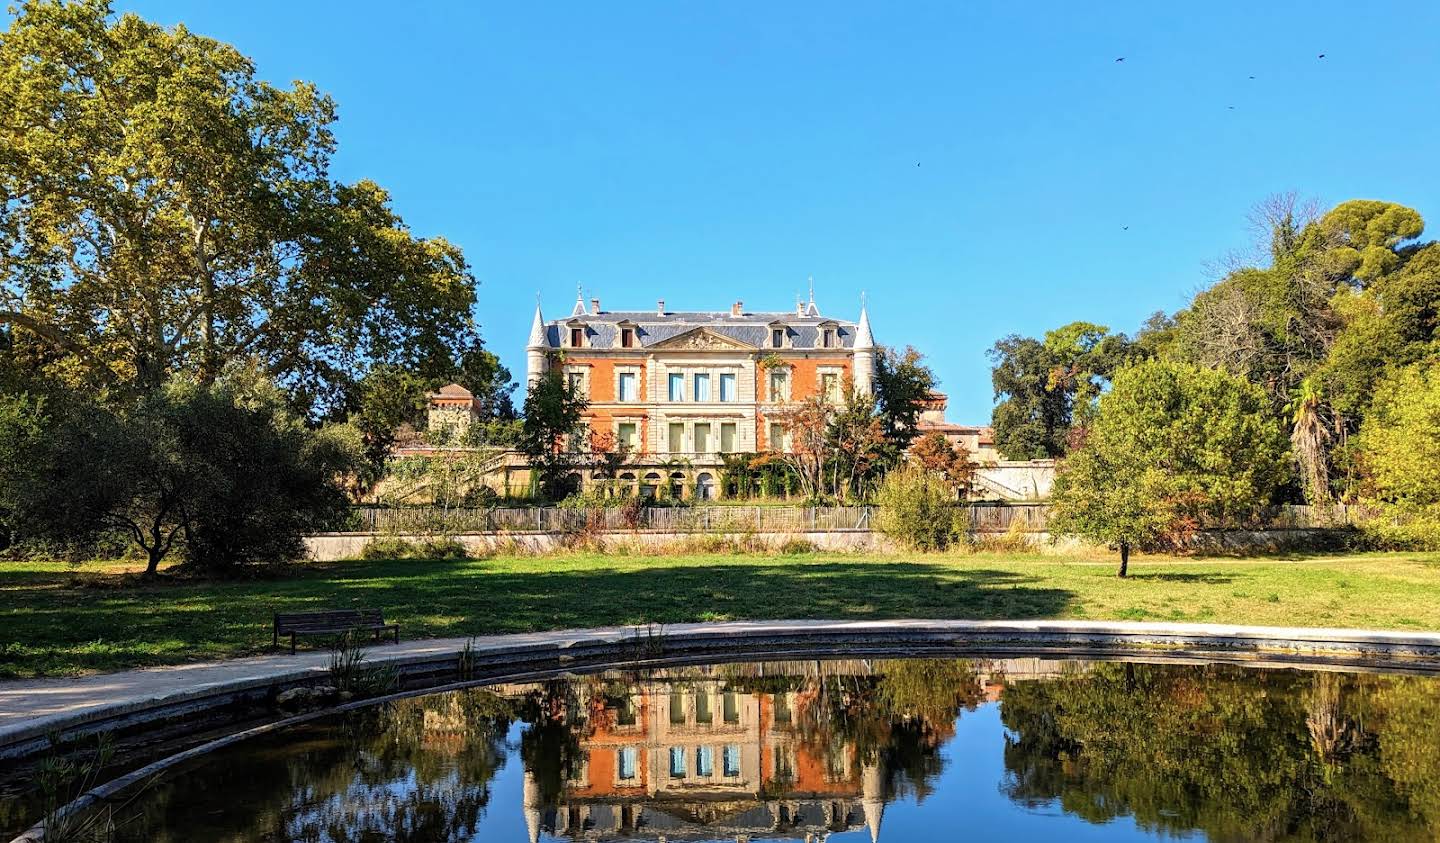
(66, 629)
(1202, 579)
(506, 601)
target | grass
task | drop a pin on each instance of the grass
(62, 620)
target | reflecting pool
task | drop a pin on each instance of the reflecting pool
(904, 749)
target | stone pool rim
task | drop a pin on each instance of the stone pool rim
(619, 646)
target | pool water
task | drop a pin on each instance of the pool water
(879, 749)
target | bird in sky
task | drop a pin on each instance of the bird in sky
(1124, 228)
(1322, 55)
(1122, 58)
(1252, 77)
(1231, 107)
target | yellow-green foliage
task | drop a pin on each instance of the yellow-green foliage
(1399, 443)
(917, 508)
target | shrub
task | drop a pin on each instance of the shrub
(387, 548)
(796, 546)
(917, 509)
(444, 547)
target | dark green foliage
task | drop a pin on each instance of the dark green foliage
(1042, 386)
(903, 384)
(224, 472)
(553, 412)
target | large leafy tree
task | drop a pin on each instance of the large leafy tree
(1041, 385)
(1336, 300)
(1399, 443)
(1171, 448)
(163, 212)
(224, 473)
(903, 384)
(553, 414)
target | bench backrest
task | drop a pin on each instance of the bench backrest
(338, 619)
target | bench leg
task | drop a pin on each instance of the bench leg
(292, 643)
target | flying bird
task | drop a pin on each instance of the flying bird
(1124, 228)
(1252, 77)
(1122, 58)
(1321, 56)
(1231, 107)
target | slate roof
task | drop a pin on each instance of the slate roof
(750, 328)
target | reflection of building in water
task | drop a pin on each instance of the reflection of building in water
(684, 759)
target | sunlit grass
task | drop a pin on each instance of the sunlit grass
(63, 620)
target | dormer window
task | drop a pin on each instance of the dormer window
(828, 336)
(627, 337)
(577, 337)
(777, 337)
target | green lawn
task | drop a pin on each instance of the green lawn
(64, 620)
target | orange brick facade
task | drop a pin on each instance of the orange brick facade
(681, 391)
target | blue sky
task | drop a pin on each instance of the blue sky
(703, 153)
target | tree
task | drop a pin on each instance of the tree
(553, 414)
(1336, 301)
(934, 453)
(1171, 448)
(809, 447)
(856, 443)
(224, 472)
(903, 387)
(165, 212)
(1040, 385)
(1399, 443)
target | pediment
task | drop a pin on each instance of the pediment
(702, 339)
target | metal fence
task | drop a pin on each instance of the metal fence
(549, 519)
(983, 518)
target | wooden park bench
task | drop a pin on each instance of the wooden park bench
(337, 622)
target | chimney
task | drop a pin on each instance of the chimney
(594, 306)
(737, 309)
(660, 308)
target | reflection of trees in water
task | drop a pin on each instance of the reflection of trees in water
(896, 717)
(1238, 754)
(413, 770)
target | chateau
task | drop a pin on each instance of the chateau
(681, 389)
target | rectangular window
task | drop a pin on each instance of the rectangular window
(828, 340)
(727, 386)
(777, 337)
(627, 434)
(676, 383)
(702, 387)
(782, 709)
(579, 439)
(777, 436)
(625, 714)
(577, 383)
(784, 762)
(677, 708)
(702, 709)
(830, 386)
(702, 438)
(727, 438)
(704, 761)
(779, 385)
(730, 707)
(627, 386)
(627, 337)
(730, 760)
(577, 337)
(677, 438)
(627, 762)
(677, 762)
